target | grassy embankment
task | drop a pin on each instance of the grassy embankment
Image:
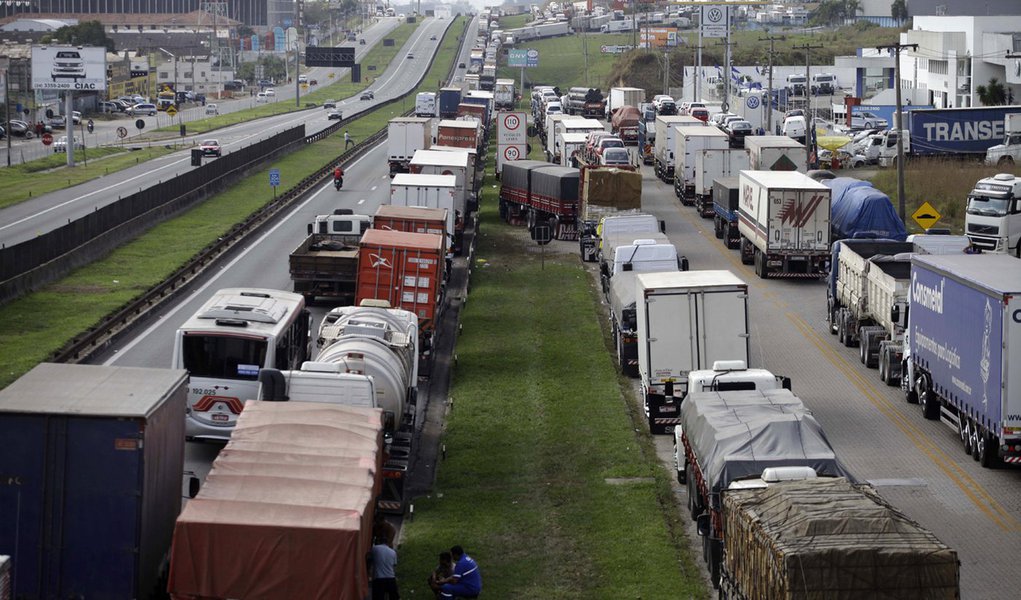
(562, 61)
(34, 326)
(550, 481)
(22, 181)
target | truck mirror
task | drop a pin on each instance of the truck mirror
(310, 229)
(785, 383)
(662, 226)
(702, 524)
(683, 263)
(895, 313)
(193, 486)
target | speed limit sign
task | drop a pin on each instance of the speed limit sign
(511, 153)
(511, 121)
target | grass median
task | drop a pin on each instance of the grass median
(549, 481)
(33, 327)
(571, 60)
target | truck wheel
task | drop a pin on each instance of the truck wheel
(884, 358)
(747, 254)
(863, 345)
(987, 456)
(930, 405)
(910, 394)
(715, 558)
(966, 438)
(717, 228)
(1006, 161)
(848, 331)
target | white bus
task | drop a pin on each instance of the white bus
(225, 344)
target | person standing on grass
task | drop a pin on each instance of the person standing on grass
(466, 582)
(383, 561)
(348, 142)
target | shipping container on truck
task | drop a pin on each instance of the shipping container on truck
(726, 200)
(686, 321)
(775, 153)
(968, 131)
(404, 137)
(784, 220)
(292, 493)
(623, 96)
(458, 133)
(431, 191)
(450, 162)
(412, 219)
(93, 459)
(962, 363)
(688, 141)
(447, 101)
(406, 270)
(663, 149)
(713, 164)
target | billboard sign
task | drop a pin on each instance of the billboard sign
(68, 68)
(658, 37)
(523, 57)
(715, 21)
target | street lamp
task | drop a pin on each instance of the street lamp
(174, 57)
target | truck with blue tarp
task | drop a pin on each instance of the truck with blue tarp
(860, 210)
(92, 464)
(962, 361)
(948, 131)
(647, 132)
(726, 195)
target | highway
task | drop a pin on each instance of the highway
(28, 219)
(105, 132)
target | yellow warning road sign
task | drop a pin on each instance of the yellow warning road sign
(926, 216)
(171, 110)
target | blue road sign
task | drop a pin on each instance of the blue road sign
(274, 177)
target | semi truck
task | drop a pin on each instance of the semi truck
(457, 163)
(712, 164)
(503, 94)
(425, 104)
(966, 132)
(325, 264)
(92, 463)
(647, 133)
(993, 216)
(292, 492)
(715, 328)
(960, 363)
(569, 147)
(449, 98)
(404, 137)
(689, 140)
(430, 191)
(726, 202)
(588, 102)
(784, 221)
(458, 133)
(620, 97)
(775, 153)
(665, 141)
(624, 123)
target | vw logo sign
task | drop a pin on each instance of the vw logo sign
(715, 15)
(752, 102)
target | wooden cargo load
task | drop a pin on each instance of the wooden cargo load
(609, 191)
(828, 539)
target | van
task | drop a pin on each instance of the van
(261, 97)
(212, 109)
(795, 127)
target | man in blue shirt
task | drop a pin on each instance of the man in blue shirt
(384, 580)
(466, 582)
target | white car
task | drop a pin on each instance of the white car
(61, 144)
(212, 109)
(867, 120)
(143, 109)
(261, 97)
(270, 92)
(657, 99)
(68, 64)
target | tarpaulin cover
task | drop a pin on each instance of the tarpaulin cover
(737, 434)
(826, 539)
(626, 116)
(858, 209)
(607, 191)
(268, 525)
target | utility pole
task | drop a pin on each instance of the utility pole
(297, 56)
(769, 97)
(809, 116)
(895, 50)
(6, 64)
(666, 72)
(727, 71)
(696, 62)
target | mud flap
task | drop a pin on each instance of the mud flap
(664, 413)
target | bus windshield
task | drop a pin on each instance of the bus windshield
(224, 357)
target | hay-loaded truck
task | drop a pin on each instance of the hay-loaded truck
(781, 517)
(961, 359)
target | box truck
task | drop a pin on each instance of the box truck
(688, 141)
(429, 191)
(664, 143)
(713, 164)
(775, 153)
(623, 96)
(404, 137)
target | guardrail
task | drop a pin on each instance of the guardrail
(82, 347)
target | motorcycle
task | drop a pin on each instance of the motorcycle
(338, 182)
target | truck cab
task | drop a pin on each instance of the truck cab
(341, 222)
(993, 219)
(796, 84)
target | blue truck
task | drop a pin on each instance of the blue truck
(92, 467)
(647, 132)
(860, 210)
(964, 316)
(450, 97)
(948, 131)
(726, 194)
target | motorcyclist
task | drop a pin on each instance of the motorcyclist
(338, 176)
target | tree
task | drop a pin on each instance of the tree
(993, 94)
(899, 11)
(87, 33)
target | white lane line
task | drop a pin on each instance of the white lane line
(361, 201)
(160, 320)
(374, 188)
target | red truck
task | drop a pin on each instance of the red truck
(405, 269)
(458, 133)
(624, 123)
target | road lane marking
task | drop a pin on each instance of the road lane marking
(361, 201)
(374, 188)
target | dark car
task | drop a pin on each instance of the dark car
(460, 65)
(411, 56)
(335, 114)
(211, 148)
(367, 96)
(738, 131)
(330, 104)
(265, 83)
(432, 38)
(666, 107)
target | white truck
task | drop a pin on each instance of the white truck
(784, 222)
(688, 141)
(430, 191)
(993, 217)
(775, 153)
(579, 125)
(549, 129)
(637, 253)
(623, 96)
(458, 164)
(503, 94)
(425, 104)
(1008, 153)
(686, 321)
(713, 164)
(404, 137)
(567, 145)
(663, 150)
(627, 24)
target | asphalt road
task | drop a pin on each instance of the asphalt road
(105, 132)
(28, 219)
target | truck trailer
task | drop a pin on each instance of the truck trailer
(726, 201)
(604, 192)
(775, 153)
(784, 221)
(710, 165)
(325, 263)
(665, 142)
(961, 362)
(689, 140)
(92, 463)
(686, 321)
(404, 137)
(429, 191)
(620, 97)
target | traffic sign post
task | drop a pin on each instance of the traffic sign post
(926, 216)
(542, 235)
(274, 180)
(122, 132)
(47, 139)
(171, 111)
(511, 137)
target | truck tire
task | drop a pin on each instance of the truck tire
(718, 228)
(715, 558)
(930, 405)
(863, 345)
(841, 327)
(747, 253)
(760, 265)
(967, 440)
(1006, 161)
(987, 456)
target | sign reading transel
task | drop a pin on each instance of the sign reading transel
(68, 68)
(323, 56)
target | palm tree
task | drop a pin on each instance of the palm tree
(899, 11)
(993, 94)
